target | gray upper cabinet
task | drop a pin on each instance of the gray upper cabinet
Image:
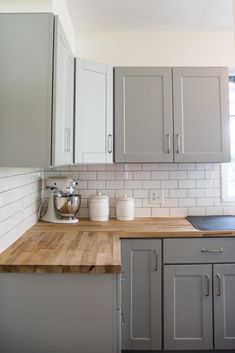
(63, 98)
(94, 112)
(141, 294)
(188, 307)
(36, 91)
(224, 306)
(143, 115)
(201, 115)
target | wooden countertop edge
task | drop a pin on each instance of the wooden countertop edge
(105, 249)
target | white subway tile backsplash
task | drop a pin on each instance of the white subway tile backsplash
(178, 174)
(142, 175)
(20, 194)
(169, 184)
(189, 188)
(196, 211)
(197, 174)
(134, 184)
(123, 176)
(87, 175)
(178, 193)
(160, 212)
(196, 192)
(160, 175)
(187, 202)
(187, 184)
(178, 212)
(97, 184)
(105, 175)
(151, 184)
(151, 166)
(114, 184)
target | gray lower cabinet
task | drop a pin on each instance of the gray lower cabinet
(141, 294)
(188, 307)
(224, 306)
(59, 313)
(36, 91)
(170, 114)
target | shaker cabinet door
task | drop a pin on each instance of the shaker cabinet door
(188, 307)
(143, 114)
(141, 294)
(63, 98)
(224, 306)
(94, 113)
(201, 114)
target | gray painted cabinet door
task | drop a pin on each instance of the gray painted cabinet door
(201, 115)
(26, 64)
(143, 114)
(141, 294)
(94, 112)
(224, 306)
(63, 98)
(188, 307)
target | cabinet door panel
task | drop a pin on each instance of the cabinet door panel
(188, 307)
(94, 113)
(224, 306)
(26, 64)
(201, 115)
(141, 294)
(62, 137)
(143, 115)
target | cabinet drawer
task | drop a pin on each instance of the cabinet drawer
(199, 250)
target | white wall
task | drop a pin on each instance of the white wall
(159, 48)
(59, 7)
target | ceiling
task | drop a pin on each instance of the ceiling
(151, 14)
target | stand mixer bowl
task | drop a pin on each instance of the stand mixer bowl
(67, 206)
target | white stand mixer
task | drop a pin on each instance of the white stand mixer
(63, 204)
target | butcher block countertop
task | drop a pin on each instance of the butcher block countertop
(88, 247)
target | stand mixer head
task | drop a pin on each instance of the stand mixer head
(63, 204)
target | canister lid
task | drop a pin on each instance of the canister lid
(124, 197)
(99, 196)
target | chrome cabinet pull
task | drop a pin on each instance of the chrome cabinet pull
(178, 143)
(122, 319)
(69, 141)
(169, 143)
(110, 143)
(218, 292)
(220, 250)
(207, 285)
(123, 278)
(156, 260)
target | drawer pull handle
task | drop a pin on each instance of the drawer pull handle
(212, 250)
(207, 285)
(110, 144)
(156, 263)
(218, 293)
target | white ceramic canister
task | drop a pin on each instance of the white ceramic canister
(125, 208)
(99, 207)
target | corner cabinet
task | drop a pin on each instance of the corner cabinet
(170, 114)
(141, 294)
(36, 91)
(93, 113)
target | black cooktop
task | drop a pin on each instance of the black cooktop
(212, 222)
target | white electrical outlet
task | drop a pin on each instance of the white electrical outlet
(156, 197)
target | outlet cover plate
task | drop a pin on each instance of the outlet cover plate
(156, 197)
